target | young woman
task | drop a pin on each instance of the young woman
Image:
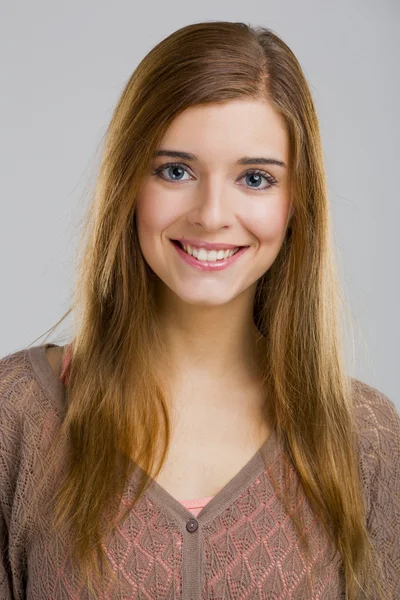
(199, 437)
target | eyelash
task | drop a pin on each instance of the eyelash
(271, 180)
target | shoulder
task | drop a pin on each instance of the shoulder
(17, 385)
(376, 416)
(31, 397)
(377, 424)
(30, 375)
(32, 403)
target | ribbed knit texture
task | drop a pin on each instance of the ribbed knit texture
(241, 545)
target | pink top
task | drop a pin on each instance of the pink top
(195, 505)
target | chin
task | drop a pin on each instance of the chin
(196, 298)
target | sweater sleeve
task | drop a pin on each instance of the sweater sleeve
(15, 388)
(380, 465)
(5, 571)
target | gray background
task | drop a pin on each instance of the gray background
(63, 67)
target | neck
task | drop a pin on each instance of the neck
(215, 342)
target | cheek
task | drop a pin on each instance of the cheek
(153, 213)
(267, 220)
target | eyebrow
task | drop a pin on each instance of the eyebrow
(245, 160)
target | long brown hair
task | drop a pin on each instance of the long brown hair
(297, 306)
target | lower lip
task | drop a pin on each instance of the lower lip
(217, 265)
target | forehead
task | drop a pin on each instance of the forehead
(244, 126)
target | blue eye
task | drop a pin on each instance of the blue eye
(178, 169)
(171, 168)
(258, 177)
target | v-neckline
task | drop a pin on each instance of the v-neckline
(247, 475)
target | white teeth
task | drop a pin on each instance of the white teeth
(211, 256)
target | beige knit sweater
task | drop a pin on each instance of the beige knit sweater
(242, 545)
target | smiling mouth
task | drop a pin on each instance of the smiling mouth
(203, 254)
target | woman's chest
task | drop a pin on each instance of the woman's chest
(199, 466)
(213, 437)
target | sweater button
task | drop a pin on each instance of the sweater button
(192, 525)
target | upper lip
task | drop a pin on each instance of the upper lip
(207, 245)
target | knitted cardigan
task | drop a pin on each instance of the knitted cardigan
(242, 545)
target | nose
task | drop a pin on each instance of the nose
(212, 208)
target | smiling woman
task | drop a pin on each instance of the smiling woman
(199, 436)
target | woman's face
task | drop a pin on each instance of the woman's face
(212, 197)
